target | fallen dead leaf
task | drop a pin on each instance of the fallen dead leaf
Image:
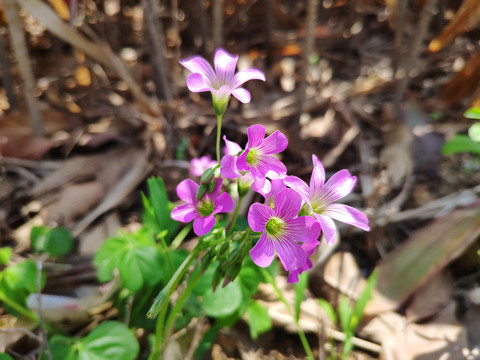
(75, 200)
(431, 298)
(424, 255)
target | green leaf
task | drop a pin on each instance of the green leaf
(57, 241)
(300, 288)
(158, 201)
(473, 113)
(224, 301)
(328, 309)
(362, 300)
(461, 144)
(5, 255)
(62, 347)
(111, 340)
(4, 356)
(136, 262)
(258, 319)
(22, 276)
(474, 132)
(345, 311)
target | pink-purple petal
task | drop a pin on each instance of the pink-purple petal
(304, 229)
(268, 163)
(258, 215)
(243, 76)
(198, 65)
(242, 162)
(299, 186)
(328, 227)
(317, 180)
(184, 213)
(287, 204)
(273, 144)
(231, 147)
(348, 215)
(222, 95)
(242, 95)
(197, 83)
(290, 253)
(262, 253)
(338, 186)
(187, 191)
(223, 203)
(203, 225)
(256, 134)
(225, 65)
(228, 167)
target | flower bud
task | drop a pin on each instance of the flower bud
(232, 273)
(202, 190)
(206, 176)
(206, 261)
(217, 276)
(211, 187)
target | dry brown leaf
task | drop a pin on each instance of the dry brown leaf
(397, 153)
(424, 255)
(466, 19)
(343, 275)
(431, 298)
(75, 200)
(464, 83)
(24, 147)
(443, 337)
(13, 329)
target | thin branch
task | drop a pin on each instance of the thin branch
(218, 23)
(19, 44)
(157, 50)
(408, 63)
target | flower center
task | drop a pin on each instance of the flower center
(252, 157)
(317, 207)
(205, 208)
(274, 226)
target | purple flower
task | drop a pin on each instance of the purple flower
(320, 196)
(221, 82)
(281, 231)
(271, 189)
(199, 165)
(201, 211)
(309, 249)
(257, 157)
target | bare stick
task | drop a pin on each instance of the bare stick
(157, 49)
(408, 63)
(17, 36)
(399, 33)
(312, 6)
(7, 74)
(218, 23)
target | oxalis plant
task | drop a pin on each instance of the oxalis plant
(288, 223)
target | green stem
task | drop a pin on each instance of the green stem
(181, 236)
(300, 332)
(181, 300)
(219, 131)
(159, 307)
(235, 216)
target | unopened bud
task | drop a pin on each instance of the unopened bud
(206, 176)
(232, 272)
(206, 261)
(202, 190)
(217, 276)
(211, 186)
